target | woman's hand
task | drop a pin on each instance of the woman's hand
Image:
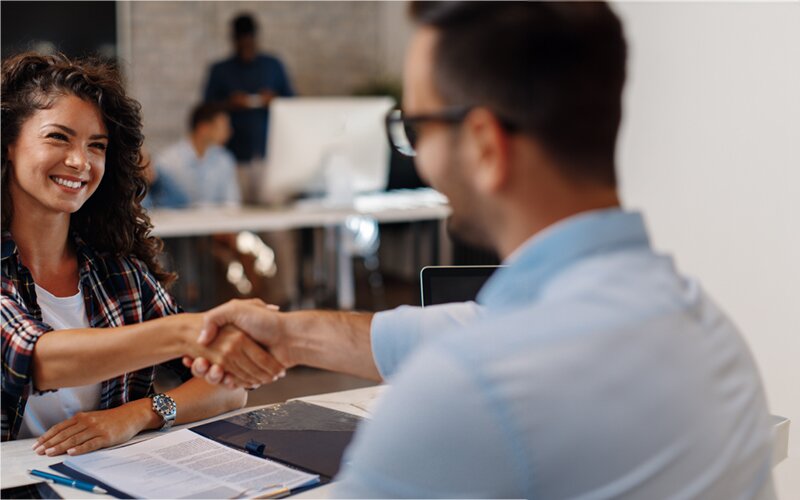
(235, 352)
(89, 431)
(246, 362)
(260, 321)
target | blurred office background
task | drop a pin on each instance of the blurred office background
(710, 145)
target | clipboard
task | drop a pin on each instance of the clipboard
(298, 434)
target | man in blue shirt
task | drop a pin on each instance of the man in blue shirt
(591, 368)
(245, 84)
(198, 165)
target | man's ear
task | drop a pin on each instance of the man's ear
(487, 147)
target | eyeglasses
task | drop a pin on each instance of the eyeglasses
(403, 131)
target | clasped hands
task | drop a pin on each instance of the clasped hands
(230, 350)
(241, 345)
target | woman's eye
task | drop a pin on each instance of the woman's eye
(99, 145)
(58, 136)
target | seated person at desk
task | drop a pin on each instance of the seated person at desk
(85, 312)
(162, 191)
(595, 369)
(199, 165)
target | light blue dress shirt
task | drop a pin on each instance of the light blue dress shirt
(207, 181)
(594, 370)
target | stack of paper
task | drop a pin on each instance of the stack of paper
(184, 464)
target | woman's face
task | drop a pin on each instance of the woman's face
(59, 157)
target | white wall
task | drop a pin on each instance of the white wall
(396, 29)
(710, 150)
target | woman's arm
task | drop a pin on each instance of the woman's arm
(68, 358)
(89, 431)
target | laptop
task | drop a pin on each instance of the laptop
(445, 284)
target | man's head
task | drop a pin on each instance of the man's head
(243, 30)
(534, 91)
(210, 124)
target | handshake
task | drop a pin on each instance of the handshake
(248, 343)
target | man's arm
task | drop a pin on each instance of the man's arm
(213, 90)
(448, 438)
(338, 341)
(363, 344)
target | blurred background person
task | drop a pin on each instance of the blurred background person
(245, 84)
(162, 190)
(199, 164)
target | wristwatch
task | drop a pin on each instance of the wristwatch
(166, 408)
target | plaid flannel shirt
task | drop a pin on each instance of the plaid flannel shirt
(117, 291)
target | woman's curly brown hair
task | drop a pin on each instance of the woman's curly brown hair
(112, 219)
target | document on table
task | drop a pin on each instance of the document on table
(184, 464)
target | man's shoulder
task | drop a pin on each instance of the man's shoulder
(637, 322)
(221, 155)
(174, 155)
(268, 59)
(222, 64)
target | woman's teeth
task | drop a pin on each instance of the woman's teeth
(69, 184)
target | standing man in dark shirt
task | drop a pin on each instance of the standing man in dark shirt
(246, 84)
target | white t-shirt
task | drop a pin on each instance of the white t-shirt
(46, 410)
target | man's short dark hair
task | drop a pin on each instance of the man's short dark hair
(204, 113)
(243, 25)
(553, 70)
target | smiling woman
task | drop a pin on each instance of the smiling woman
(34, 115)
(57, 168)
(85, 315)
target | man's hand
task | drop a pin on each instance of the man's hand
(244, 361)
(260, 321)
(239, 100)
(266, 97)
(89, 431)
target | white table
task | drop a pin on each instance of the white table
(389, 207)
(394, 206)
(17, 456)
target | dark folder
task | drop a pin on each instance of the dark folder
(302, 435)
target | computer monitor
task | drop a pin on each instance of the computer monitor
(334, 146)
(446, 284)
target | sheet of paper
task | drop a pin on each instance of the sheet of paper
(361, 402)
(184, 464)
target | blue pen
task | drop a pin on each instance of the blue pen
(66, 481)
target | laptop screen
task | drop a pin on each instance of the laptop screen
(445, 284)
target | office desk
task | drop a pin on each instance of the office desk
(17, 456)
(390, 207)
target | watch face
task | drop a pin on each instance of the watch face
(163, 405)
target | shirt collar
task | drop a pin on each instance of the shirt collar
(555, 248)
(9, 247)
